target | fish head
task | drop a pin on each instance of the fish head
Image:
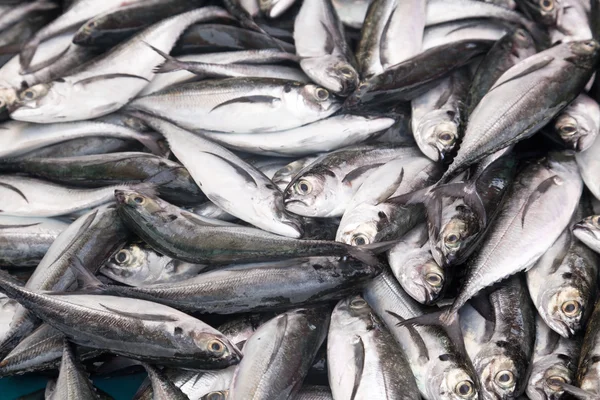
(564, 310)
(216, 395)
(274, 8)
(285, 223)
(332, 73)
(451, 381)
(319, 100)
(440, 137)
(576, 131)
(589, 375)
(216, 348)
(545, 376)
(456, 236)
(144, 208)
(44, 102)
(424, 280)
(355, 306)
(502, 370)
(584, 53)
(312, 192)
(588, 231)
(523, 44)
(87, 33)
(542, 11)
(361, 225)
(128, 265)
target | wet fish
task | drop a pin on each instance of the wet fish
(440, 369)
(162, 387)
(284, 176)
(588, 369)
(265, 371)
(324, 188)
(579, 124)
(321, 136)
(211, 166)
(563, 70)
(437, 114)
(554, 360)
(588, 231)
(113, 169)
(364, 360)
(468, 29)
(72, 380)
(25, 241)
(14, 14)
(352, 13)
(138, 265)
(325, 55)
(415, 269)
(92, 91)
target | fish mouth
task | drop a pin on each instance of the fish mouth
(292, 201)
(120, 196)
(583, 227)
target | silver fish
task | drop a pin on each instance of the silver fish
(265, 371)
(588, 231)
(554, 360)
(268, 104)
(211, 166)
(436, 116)
(415, 269)
(579, 124)
(449, 32)
(352, 13)
(109, 82)
(588, 369)
(284, 176)
(321, 136)
(325, 54)
(72, 380)
(24, 241)
(440, 370)
(17, 13)
(363, 359)
(162, 387)
(139, 265)
(325, 187)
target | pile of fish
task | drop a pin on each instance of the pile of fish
(308, 200)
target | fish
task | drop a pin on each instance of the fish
(265, 370)
(588, 165)
(440, 369)
(468, 29)
(587, 230)
(554, 360)
(274, 104)
(364, 361)
(90, 92)
(508, 51)
(579, 124)
(563, 69)
(93, 238)
(588, 368)
(569, 270)
(20, 138)
(72, 378)
(212, 166)
(101, 170)
(544, 12)
(257, 287)
(115, 25)
(41, 350)
(325, 55)
(138, 265)
(415, 269)
(572, 23)
(371, 218)
(321, 136)
(392, 33)
(180, 234)
(352, 13)
(25, 241)
(437, 114)
(162, 387)
(284, 176)
(502, 362)
(162, 335)
(324, 188)
(17, 13)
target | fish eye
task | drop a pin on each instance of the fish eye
(92, 24)
(358, 303)
(346, 72)
(447, 137)
(571, 308)
(360, 240)
(321, 94)
(216, 346)
(29, 94)
(547, 5)
(452, 240)
(568, 130)
(139, 199)
(521, 34)
(506, 379)
(215, 396)
(554, 382)
(303, 187)
(122, 256)
(434, 279)
(596, 220)
(465, 389)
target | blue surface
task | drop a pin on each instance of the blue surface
(121, 388)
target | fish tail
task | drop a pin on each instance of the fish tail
(27, 53)
(170, 64)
